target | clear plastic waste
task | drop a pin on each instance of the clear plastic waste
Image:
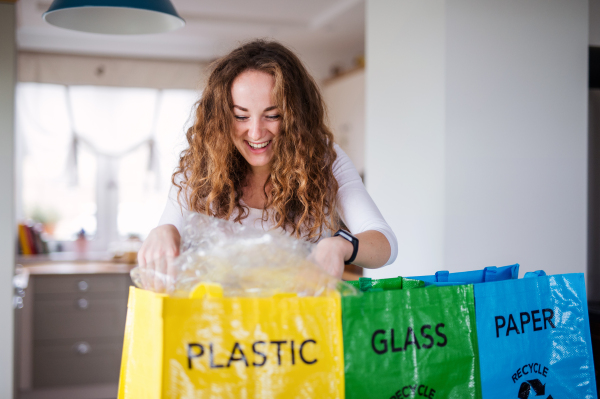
(245, 262)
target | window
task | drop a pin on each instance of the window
(98, 158)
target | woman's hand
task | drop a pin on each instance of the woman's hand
(156, 257)
(330, 254)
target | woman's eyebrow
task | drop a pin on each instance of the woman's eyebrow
(272, 107)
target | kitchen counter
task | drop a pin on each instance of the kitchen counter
(102, 263)
(81, 267)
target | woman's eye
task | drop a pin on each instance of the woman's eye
(241, 118)
(273, 117)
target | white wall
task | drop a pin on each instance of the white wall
(503, 179)
(405, 122)
(7, 217)
(345, 99)
(594, 28)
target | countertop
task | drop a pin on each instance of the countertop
(71, 263)
(102, 263)
(78, 268)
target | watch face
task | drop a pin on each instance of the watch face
(346, 235)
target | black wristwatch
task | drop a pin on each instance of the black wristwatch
(353, 240)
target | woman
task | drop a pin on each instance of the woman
(260, 154)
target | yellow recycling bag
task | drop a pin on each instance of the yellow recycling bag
(214, 347)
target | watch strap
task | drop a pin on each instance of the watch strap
(353, 240)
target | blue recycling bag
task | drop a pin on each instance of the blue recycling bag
(486, 275)
(534, 338)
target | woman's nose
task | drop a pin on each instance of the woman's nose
(256, 130)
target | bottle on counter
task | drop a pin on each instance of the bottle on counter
(81, 244)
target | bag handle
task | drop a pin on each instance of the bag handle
(442, 276)
(514, 271)
(210, 290)
(490, 274)
(365, 283)
(537, 273)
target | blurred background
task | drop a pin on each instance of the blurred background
(473, 124)
(101, 118)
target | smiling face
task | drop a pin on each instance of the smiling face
(257, 119)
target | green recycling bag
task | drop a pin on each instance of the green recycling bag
(366, 284)
(411, 343)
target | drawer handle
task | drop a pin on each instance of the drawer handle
(82, 348)
(83, 285)
(83, 303)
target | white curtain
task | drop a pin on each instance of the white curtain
(140, 130)
(43, 126)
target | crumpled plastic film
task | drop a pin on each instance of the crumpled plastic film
(244, 261)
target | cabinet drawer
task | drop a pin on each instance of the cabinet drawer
(76, 362)
(82, 283)
(79, 316)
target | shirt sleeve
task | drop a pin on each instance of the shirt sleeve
(356, 207)
(174, 212)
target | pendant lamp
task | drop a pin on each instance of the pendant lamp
(120, 17)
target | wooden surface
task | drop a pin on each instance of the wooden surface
(350, 276)
(90, 256)
(78, 268)
(342, 74)
(102, 264)
(46, 268)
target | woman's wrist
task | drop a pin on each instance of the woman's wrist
(345, 247)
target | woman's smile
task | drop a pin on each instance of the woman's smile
(258, 146)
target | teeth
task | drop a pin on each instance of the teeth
(257, 146)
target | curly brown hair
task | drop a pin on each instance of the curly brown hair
(302, 187)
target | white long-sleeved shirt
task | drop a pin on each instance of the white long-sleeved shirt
(355, 206)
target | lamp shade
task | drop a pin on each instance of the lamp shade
(121, 17)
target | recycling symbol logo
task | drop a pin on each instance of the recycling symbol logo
(536, 385)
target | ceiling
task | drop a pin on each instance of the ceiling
(325, 33)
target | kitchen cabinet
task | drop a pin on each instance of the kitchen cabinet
(70, 330)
